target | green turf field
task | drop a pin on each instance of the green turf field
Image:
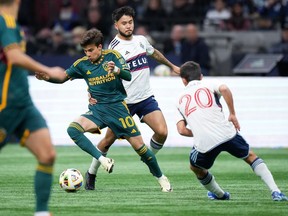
(131, 190)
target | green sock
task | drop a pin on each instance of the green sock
(76, 132)
(42, 186)
(150, 160)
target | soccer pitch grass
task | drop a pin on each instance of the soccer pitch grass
(131, 190)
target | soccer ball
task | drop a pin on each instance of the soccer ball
(162, 70)
(71, 180)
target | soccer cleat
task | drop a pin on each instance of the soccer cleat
(90, 181)
(108, 164)
(213, 196)
(278, 196)
(165, 184)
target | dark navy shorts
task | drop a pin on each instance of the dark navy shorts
(144, 107)
(237, 147)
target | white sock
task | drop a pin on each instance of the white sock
(211, 185)
(42, 213)
(94, 166)
(155, 146)
(262, 170)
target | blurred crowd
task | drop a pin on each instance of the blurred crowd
(56, 26)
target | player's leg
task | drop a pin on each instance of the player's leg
(76, 131)
(239, 148)
(39, 143)
(148, 157)
(260, 169)
(103, 146)
(156, 121)
(199, 164)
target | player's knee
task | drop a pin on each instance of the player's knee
(162, 134)
(251, 157)
(47, 156)
(75, 130)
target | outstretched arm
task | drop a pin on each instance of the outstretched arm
(53, 75)
(15, 56)
(227, 95)
(159, 57)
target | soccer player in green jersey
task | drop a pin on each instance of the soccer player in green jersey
(103, 71)
(18, 115)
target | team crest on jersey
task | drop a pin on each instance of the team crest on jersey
(141, 45)
(105, 66)
(122, 61)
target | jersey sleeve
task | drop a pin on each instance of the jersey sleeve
(119, 61)
(8, 29)
(176, 112)
(149, 48)
(74, 72)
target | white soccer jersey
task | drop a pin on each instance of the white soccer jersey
(199, 105)
(135, 52)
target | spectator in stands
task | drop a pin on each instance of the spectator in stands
(217, 15)
(95, 19)
(199, 10)
(57, 45)
(173, 45)
(270, 14)
(195, 49)
(67, 17)
(143, 30)
(76, 34)
(282, 48)
(42, 42)
(238, 20)
(181, 12)
(154, 16)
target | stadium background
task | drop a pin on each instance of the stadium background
(261, 98)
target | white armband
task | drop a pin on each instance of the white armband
(115, 70)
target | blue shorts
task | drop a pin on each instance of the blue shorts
(144, 107)
(237, 147)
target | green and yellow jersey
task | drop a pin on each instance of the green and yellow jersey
(103, 86)
(13, 80)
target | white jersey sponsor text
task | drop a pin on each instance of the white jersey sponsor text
(135, 52)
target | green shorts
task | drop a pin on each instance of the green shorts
(20, 122)
(116, 116)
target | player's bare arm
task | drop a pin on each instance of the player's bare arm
(159, 57)
(183, 130)
(16, 57)
(53, 75)
(227, 95)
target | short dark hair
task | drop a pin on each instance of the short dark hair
(190, 70)
(92, 36)
(119, 12)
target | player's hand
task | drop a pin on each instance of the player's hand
(235, 122)
(92, 101)
(112, 68)
(41, 76)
